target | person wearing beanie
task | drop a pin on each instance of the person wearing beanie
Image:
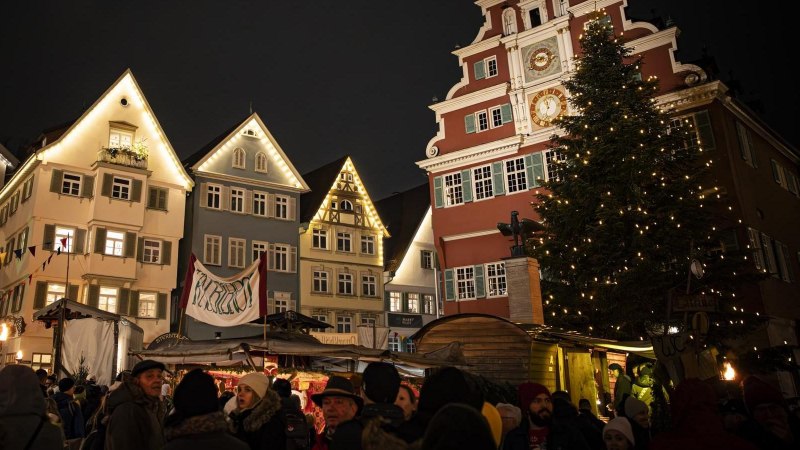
(492, 416)
(537, 429)
(23, 411)
(256, 419)
(197, 423)
(135, 412)
(618, 435)
(770, 425)
(69, 410)
(458, 426)
(638, 414)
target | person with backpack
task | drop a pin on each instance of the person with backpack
(69, 410)
(298, 434)
(257, 420)
(23, 420)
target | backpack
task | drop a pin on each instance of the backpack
(298, 434)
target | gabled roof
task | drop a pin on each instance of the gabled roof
(7, 158)
(319, 181)
(192, 159)
(402, 213)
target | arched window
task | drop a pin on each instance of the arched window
(261, 162)
(347, 205)
(509, 21)
(238, 158)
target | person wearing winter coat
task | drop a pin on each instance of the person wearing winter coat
(70, 410)
(23, 420)
(135, 411)
(198, 423)
(256, 419)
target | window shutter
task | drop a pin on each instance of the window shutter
(498, 180)
(449, 285)
(166, 253)
(271, 257)
(87, 187)
(438, 194)
(123, 303)
(80, 241)
(469, 123)
(27, 189)
(480, 290)
(105, 189)
(704, 130)
(404, 302)
(769, 254)
(292, 208)
(505, 113)
(73, 292)
(18, 299)
(422, 258)
(226, 198)
(162, 198)
(248, 202)
(292, 259)
(466, 185)
(755, 245)
(136, 194)
(270, 205)
(140, 249)
(534, 170)
(203, 195)
(93, 296)
(56, 180)
(100, 240)
(130, 245)
(152, 197)
(133, 306)
(40, 297)
(162, 306)
(49, 237)
(480, 70)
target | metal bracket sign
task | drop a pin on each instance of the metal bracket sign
(695, 303)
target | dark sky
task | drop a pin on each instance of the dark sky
(327, 77)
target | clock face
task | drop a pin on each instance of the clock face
(546, 106)
(541, 59)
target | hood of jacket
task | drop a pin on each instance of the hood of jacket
(62, 400)
(253, 419)
(129, 392)
(20, 393)
(390, 413)
(206, 423)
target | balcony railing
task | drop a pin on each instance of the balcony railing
(122, 157)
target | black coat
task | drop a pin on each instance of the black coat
(205, 432)
(135, 420)
(71, 416)
(561, 437)
(262, 426)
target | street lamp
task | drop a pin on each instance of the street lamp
(19, 356)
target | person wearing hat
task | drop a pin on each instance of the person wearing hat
(197, 423)
(771, 426)
(69, 409)
(23, 415)
(638, 414)
(340, 405)
(622, 385)
(256, 419)
(618, 435)
(135, 413)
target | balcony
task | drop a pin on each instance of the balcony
(123, 157)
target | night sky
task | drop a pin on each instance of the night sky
(328, 78)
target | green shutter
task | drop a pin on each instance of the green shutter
(40, 297)
(100, 240)
(505, 112)
(386, 306)
(87, 187)
(166, 253)
(480, 70)
(105, 190)
(93, 297)
(122, 305)
(136, 193)
(56, 180)
(534, 169)
(449, 285)
(17, 306)
(140, 250)
(438, 194)
(162, 199)
(404, 302)
(130, 245)
(469, 123)
(49, 237)
(498, 179)
(480, 289)
(80, 241)
(133, 306)
(73, 292)
(704, 130)
(162, 306)
(152, 197)
(27, 189)
(466, 185)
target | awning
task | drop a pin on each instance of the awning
(74, 310)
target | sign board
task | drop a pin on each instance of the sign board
(164, 339)
(405, 320)
(336, 338)
(694, 303)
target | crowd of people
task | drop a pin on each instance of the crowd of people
(378, 413)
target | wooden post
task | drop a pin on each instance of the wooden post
(180, 322)
(59, 338)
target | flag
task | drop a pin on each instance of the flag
(58, 252)
(225, 302)
(18, 252)
(44, 264)
(63, 242)
(32, 249)
(49, 258)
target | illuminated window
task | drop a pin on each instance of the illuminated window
(108, 299)
(120, 139)
(453, 192)
(147, 305)
(152, 251)
(428, 304)
(496, 279)
(394, 301)
(261, 162)
(115, 241)
(55, 292)
(238, 158)
(412, 302)
(41, 361)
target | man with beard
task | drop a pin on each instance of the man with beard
(537, 431)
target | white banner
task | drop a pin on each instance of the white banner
(225, 302)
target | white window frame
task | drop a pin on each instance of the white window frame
(344, 284)
(319, 238)
(496, 281)
(552, 158)
(509, 21)
(124, 138)
(487, 64)
(236, 252)
(213, 196)
(282, 302)
(370, 321)
(239, 158)
(344, 242)
(212, 244)
(369, 285)
(237, 200)
(464, 278)
(281, 255)
(321, 318)
(320, 281)
(121, 187)
(367, 244)
(394, 343)
(452, 189)
(151, 251)
(260, 203)
(482, 182)
(71, 183)
(346, 205)
(481, 120)
(257, 248)
(262, 163)
(115, 243)
(410, 346)
(395, 301)
(426, 257)
(62, 233)
(412, 302)
(55, 292)
(281, 207)
(791, 183)
(108, 299)
(344, 324)
(428, 304)
(147, 305)
(495, 117)
(516, 177)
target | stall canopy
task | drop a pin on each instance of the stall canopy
(641, 348)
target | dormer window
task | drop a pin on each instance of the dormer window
(249, 132)
(120, 138)
(238, 158)
(261, 162)
(346, 205)
(346, 176)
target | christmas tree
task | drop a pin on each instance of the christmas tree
(633, 205)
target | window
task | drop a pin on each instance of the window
(237, 200)
(535, 17)
(482, 120)
(368, 245)
(345, 283)
(55, 292)
(791, 183)
(238, 158)
(321, 318)
(509, 21)
(22, 241)
(368, 286)
(496, 116)
(320, 281)
(769, 255)
(784, 262)
(483, 182)
(41, 361)
(119, 138)
(236, 252)
(491, 67)
(427, 259)
(71, 184)
(412, 302)
(746, 145)
(27, 189)
(344, 324)
(369, 321)
(157, 198)
(147, 305)
(214, 196)
(259, 247)
(394, 343)
(115, 241)
(410, 347)
(152, 251)
(259, 203)
(281, 257)
(515, 175)
(394, 302)
(778, 173)
(553, 158)
(344, 242)
(212, 250)
(281, 207)
(496, 278)
(453, 192)
(755, 245)
(108, 299)
(261, 162)
(346, 176)
(346, 205)
(465, 283)
(121, 188)
(428, 305)
(283, 302)
(562, 7)
(319, 239)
